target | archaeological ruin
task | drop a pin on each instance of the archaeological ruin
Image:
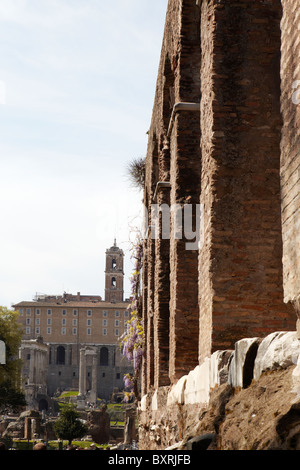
(220, 297)
(224, 137)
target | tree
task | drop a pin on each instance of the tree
(69, 426)
(11, 396)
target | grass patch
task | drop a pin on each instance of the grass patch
(24, 444)
(68, 394)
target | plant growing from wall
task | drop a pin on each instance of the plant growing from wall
(132, 341)
(136, 172)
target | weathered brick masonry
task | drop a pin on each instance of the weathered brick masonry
(219, 138)
(225, 57)
(170, 315)
(240, 271)
(290, 149)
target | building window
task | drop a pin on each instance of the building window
(89, 313)
(89, 331)
(104, 331)
(38, 311)
(75, 312)
(89, 322)
(117, 332)
(60, 355)
(27, 321)
(20, 311)
(104, 322)
(118, 375)
(113, 282)
(116, 322)
(63, 331)
(64, 312)
(104, 356)
(104, 313)
(37, 330)
(49, 311)
(49, 330)
(37, 321)
(28, 330)
(64, 321)
(28, 311)
(117, 313)
(126, 314)
(74, 321)
(49, 321)
(74, 331)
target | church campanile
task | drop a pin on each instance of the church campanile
(114, 274)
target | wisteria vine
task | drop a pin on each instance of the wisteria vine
(132, 341)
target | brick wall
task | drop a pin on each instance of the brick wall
(290, 148)
(224, 55)
(241, 281)
(173, 156)
(185, 178)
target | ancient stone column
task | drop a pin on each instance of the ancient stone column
(93, 393)
(82, 373)
(27, 428)
(31, 366)
(130, 429)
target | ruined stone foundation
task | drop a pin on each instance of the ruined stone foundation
(245, 399)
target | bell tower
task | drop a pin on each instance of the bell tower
(114, 274)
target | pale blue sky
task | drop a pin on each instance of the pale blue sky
(77, 84)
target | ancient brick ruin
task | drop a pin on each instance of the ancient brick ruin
(224, 135)
(290, 149)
